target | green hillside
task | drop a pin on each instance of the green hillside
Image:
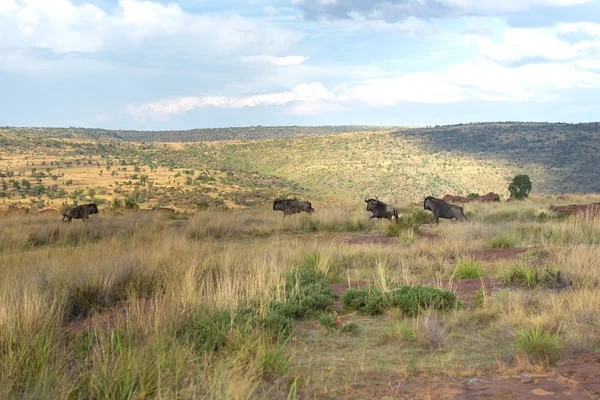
(400, 165)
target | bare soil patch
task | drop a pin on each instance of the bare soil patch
(493, 255)
(109, 319)
(465, 288)
(576, 379)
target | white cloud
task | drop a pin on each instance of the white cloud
(527, 43)
(471, 80)
(399, 10)
(163, 109)
(63, 26)
(440, 53)
(270, 10)
(277, 61)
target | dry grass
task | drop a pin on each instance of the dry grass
(126, 305)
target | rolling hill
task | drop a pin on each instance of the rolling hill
(158, 169)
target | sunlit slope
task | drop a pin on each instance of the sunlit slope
(359, 164)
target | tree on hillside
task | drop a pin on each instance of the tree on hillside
(520, 187)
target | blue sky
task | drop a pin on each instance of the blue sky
(159, 64)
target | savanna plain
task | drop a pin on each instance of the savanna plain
(223, 298)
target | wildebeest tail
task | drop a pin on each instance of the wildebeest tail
(396, 214)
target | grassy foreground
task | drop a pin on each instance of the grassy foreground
(237, 304)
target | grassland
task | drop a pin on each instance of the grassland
(40, 171)
(237, 303)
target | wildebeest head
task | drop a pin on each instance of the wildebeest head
(371, 203)
(278, 205)
(428, 203)
(93, 208)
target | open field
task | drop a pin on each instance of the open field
(243, 304)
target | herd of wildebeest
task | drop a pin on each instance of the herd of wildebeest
(379, 209)
(441, 208)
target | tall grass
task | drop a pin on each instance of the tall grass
(141, 305)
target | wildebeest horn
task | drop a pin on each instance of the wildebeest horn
(366, 201)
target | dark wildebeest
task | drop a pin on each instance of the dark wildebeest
(80, 212)
(441, 209)
(290, 207)
(381, 210)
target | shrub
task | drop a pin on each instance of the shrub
(205, 332)
(520, 187)
(307, 293)
(480, 297)
(328, 321)
(520, 275)
(541, 346)
(411, 222)
(501, 242)
(531, 277)
(468, 269)
(409, 299)
(472, 196)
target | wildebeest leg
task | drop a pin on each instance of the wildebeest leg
(372, 216)
(437, 219)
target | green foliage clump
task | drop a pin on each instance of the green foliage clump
(411, 222)
(479, 297)
(471, 196)
(131, 204)
(328, 321)
(520, 187)
(531, 277)
(542, 346)
(501, 242)
(409, 299)
(307, 292)
(468, 269)
(206, 332)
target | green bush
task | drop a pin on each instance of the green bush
(468, 269)
(520, 275)
(471, 196)
(520, 187)
(205, 332)
(501, 242)
(411, 222)
(541, 346)
(307, 292)
(409, 299)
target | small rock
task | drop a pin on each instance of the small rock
(475, 381)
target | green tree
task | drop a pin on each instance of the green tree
(520, 187)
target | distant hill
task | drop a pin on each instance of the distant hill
(569, 153)
(320, 163)
(196, 135)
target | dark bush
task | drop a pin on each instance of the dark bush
(409, 299)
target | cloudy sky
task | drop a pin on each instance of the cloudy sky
(161, 64)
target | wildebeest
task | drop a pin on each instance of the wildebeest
(80, 212)
(441, 209)
(381, 210)
(290, 207)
